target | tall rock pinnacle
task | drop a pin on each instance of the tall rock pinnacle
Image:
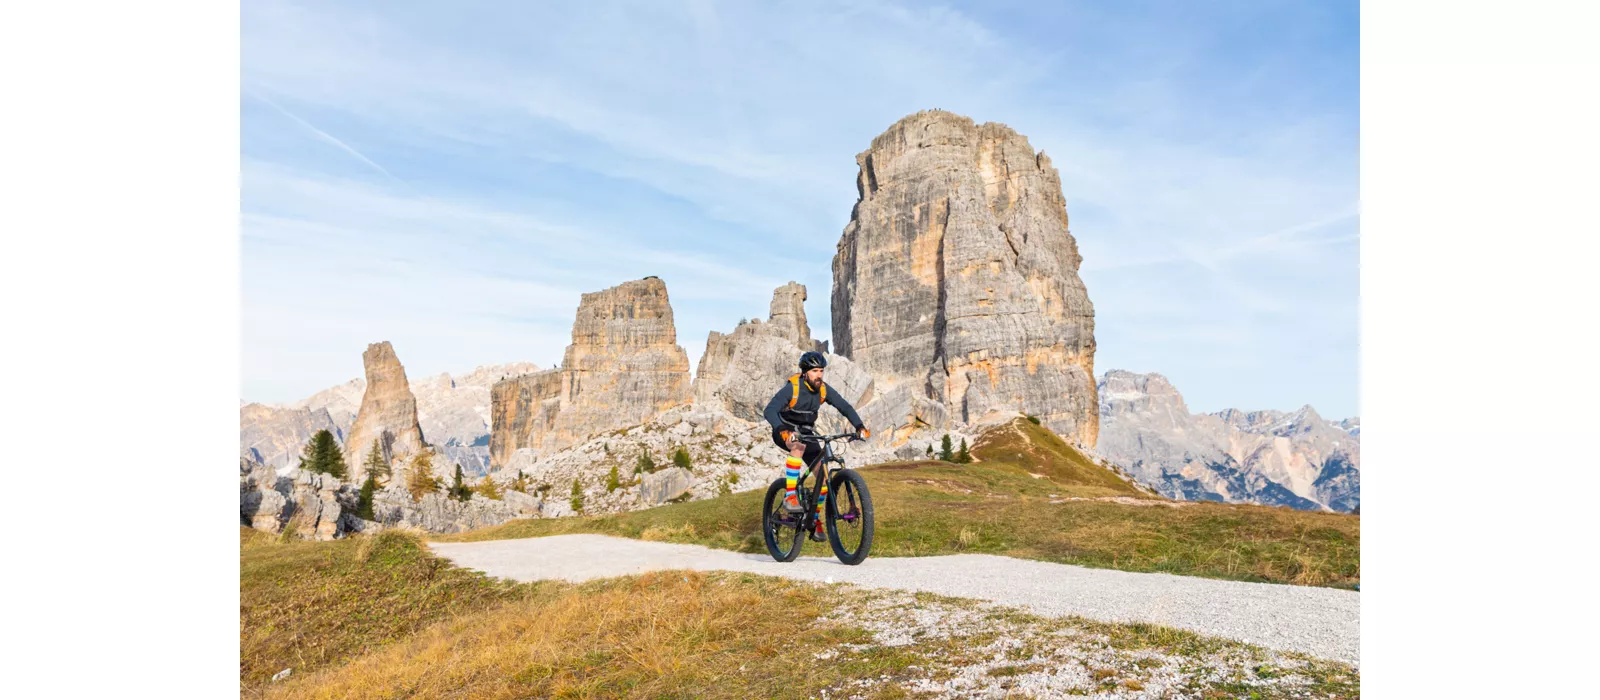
(388, 412)
(957, 276)
(623, 367)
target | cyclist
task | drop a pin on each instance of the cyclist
(793, 412)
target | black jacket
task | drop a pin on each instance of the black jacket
(806, 407)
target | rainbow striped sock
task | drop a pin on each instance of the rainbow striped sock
(791, 475)
(822, 498)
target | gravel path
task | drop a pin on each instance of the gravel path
(1321, 622)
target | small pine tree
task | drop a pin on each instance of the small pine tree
(645, 464)
(459, 490)
(364, 501)
(612, 481)
(1033, 419)
(577, 496)
(930, 450)
(420, 480)
(322, 455)
(945, 453)
(520, 483)
(962, 456)
(376, 464)
(680, 458)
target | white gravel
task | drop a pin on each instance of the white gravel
(1321, 622)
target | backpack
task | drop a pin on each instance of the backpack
(794, 382)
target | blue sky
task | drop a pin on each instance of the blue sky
(452, 176)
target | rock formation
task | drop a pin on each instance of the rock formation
(275, 436)
(454, 410)
(1295, 459)
(623, 367)
(740, 370)
(958, 279)
(388, 413)
(787, 317)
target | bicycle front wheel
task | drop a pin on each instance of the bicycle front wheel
(781, 530)
(849, 516)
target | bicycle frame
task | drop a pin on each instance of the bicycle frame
(808, 519)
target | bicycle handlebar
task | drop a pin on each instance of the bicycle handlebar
(827, 438)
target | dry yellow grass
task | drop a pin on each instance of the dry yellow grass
(669, 634)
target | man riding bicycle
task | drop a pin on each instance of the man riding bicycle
(793, 412)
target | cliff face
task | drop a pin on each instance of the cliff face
(957, 278)
(623, 367)
(388, 413)
(1295, 459)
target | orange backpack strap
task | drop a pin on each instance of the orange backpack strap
(824, 392)
(794, 382)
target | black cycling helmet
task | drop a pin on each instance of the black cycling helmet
(811, 360)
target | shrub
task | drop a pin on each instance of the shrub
(724, 486)
(680, 458)
(612, 481)
(644, 464)
(489, 489)
(1033, 419)
(520, 483)
(577, 496)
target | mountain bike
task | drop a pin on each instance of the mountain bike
(848, 513)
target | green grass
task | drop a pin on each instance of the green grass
(1011, 502)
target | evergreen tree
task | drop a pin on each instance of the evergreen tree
(944, 449)
(364, 502)
(459, 490)
(577, 496)
(612, 482)
(963, 457)
(322, 455)
(644, 465)
(680, 457)
(376, 464)
(930, 450)
(520, 483)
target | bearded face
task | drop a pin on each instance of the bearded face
(813, 378)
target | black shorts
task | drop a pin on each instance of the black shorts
(813, 450)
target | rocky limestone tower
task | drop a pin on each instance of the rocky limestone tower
(623, 367)
(388, 413)
(957, 276)
(740, 370)
(788, 314)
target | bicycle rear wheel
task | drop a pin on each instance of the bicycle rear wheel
(849, 516)
(781, 531)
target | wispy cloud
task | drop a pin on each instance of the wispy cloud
(1207, 155)
(325, 136)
